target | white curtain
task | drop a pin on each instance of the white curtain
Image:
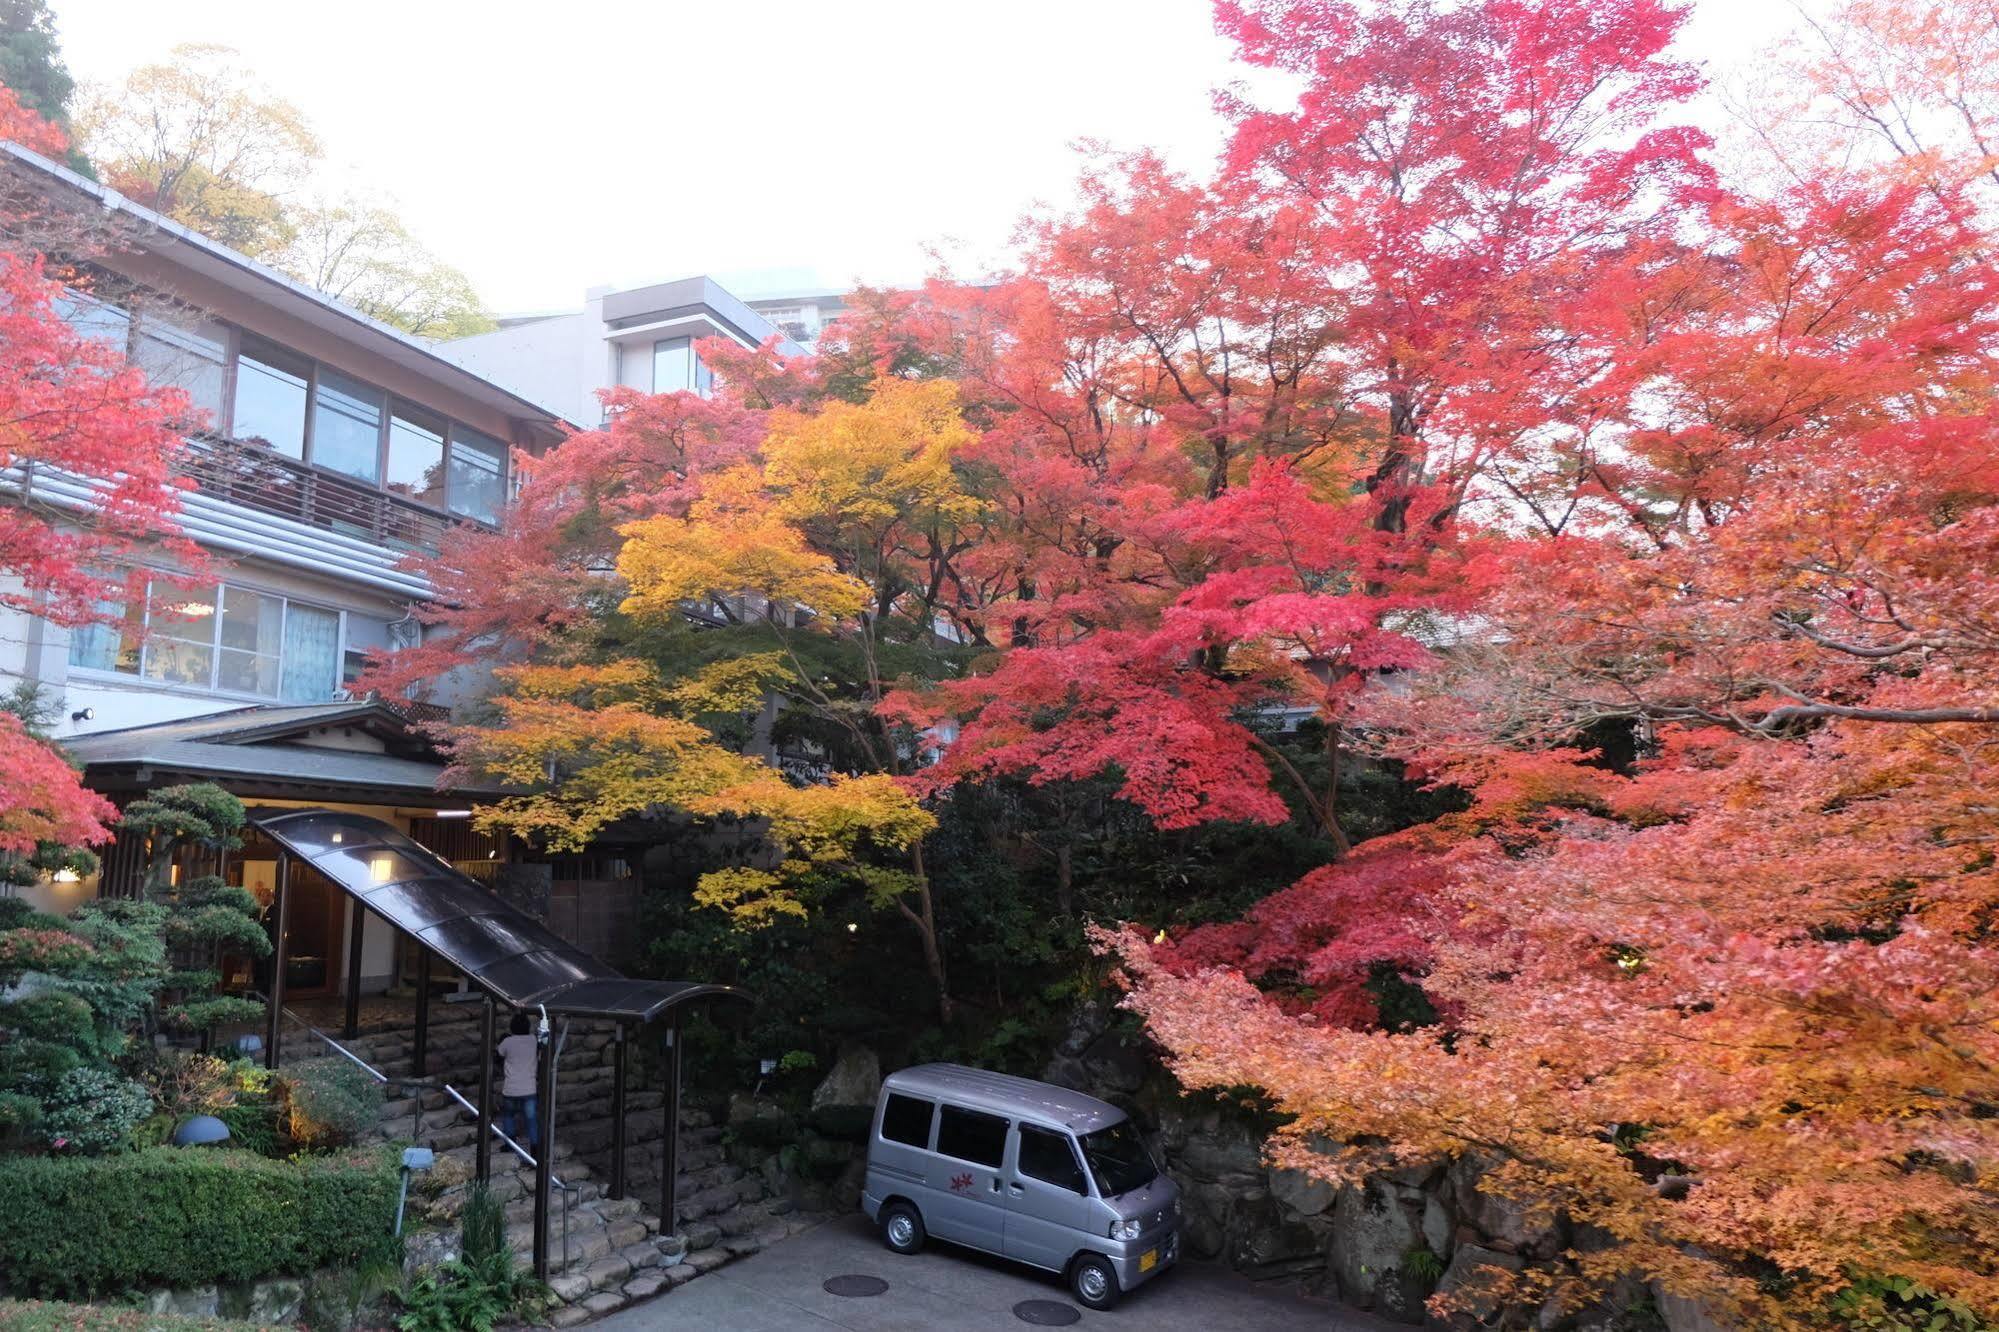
(312, 655)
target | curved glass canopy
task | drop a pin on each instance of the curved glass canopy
(500, 948)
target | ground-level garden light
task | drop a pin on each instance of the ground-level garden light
(414, 1158)
(201, 1131)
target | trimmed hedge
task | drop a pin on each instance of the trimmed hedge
(178, 1216)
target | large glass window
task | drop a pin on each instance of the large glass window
(188, 355)
(672, 365)
(416, 455)
(100, 321)
(347, 426)
(113, 643)
(228, 638)
(1119, 1159)
(311, 654)
(477, 475)
(271, 386)
(181, 648)
(253, 627)
(971, 1135)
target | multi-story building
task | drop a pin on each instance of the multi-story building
(336, 448)
(801, 315)
(640, 338)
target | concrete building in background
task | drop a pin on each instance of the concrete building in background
(802, 315)
(641, 338)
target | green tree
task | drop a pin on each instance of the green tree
(31, 64)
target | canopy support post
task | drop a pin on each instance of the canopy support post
(618, 1113)
(669, 1144)
(420, 1047)
(353, 1023)
(274, 1026)
(544, 1148)
(482, 1155)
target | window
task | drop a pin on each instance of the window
(228, 638)
(311, 655)
(253, 626)
(416, 455)
(100, 321)
(476, 475)
(271, 386)
(113, 644)
(189, 355)
(347, 426)
(1049, 1158)
(672, 365)
(1119, 1159)
(906, 1119)
(971, 1135)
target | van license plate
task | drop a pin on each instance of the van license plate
(1148, 1260)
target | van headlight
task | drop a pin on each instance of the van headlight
(1124, 1230)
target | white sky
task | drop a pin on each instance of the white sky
(544, 149)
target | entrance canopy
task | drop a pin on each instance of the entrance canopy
(500, 948)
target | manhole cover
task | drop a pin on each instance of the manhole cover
(1047, 1313)
(854, 1285)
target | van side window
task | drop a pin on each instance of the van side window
(1049, 1158)
(971, 1136)
(906, 1120)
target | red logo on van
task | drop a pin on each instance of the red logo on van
(961, 1183)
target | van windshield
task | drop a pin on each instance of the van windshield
(1118, 1159)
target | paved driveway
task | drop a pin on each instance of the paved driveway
(778, 1290)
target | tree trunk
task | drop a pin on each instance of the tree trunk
(925, 920)
(1065, 880)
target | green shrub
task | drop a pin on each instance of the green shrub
(328, 1102)
(188, 1216)
(32, 1066)
(256, 1126)
(92, 1110)
(482, 1226)
(64, 1019)
(479, 1288)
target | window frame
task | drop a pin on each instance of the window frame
(139, 679)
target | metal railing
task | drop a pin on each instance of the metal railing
(428, 1084)
(258, 478)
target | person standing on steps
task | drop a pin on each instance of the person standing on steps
(519, 1060)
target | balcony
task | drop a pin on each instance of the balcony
(256, 478)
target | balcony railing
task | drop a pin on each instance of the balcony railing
(257, 478)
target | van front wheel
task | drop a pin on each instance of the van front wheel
(1094, 1282)
(902, 1228)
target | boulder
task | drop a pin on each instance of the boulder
(1526, 1227)
(1374, 1229)
(1465, 1277)
(1685, 1315)
(855, 1080)
(1304, 1194)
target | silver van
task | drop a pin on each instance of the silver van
(1024, 1170)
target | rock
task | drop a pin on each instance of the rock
(680, 1273)
(641, 1255)
(1684, 1315)
(1302, 1193)
(645, 1286)
(1437, 1227)
(196, 1302)
(701, 1234)
(1465, 1279)
(1529, 1228)
(855, 1080)
(607, 1272)
(1374, 1228)
(569, 1317)
(570, 1286)
(707, 1260)
(604, 1302)
(1227, 1151)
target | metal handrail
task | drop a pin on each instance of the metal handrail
(378, 1075)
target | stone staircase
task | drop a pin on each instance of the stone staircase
(604, 1253)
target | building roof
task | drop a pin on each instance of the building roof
(500, 948)
(261, 746)
(1006, 1094)
(242, 273)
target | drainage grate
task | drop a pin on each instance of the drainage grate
(854, 1286)
(1047, 1313)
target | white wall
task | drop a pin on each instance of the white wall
(544, 361)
